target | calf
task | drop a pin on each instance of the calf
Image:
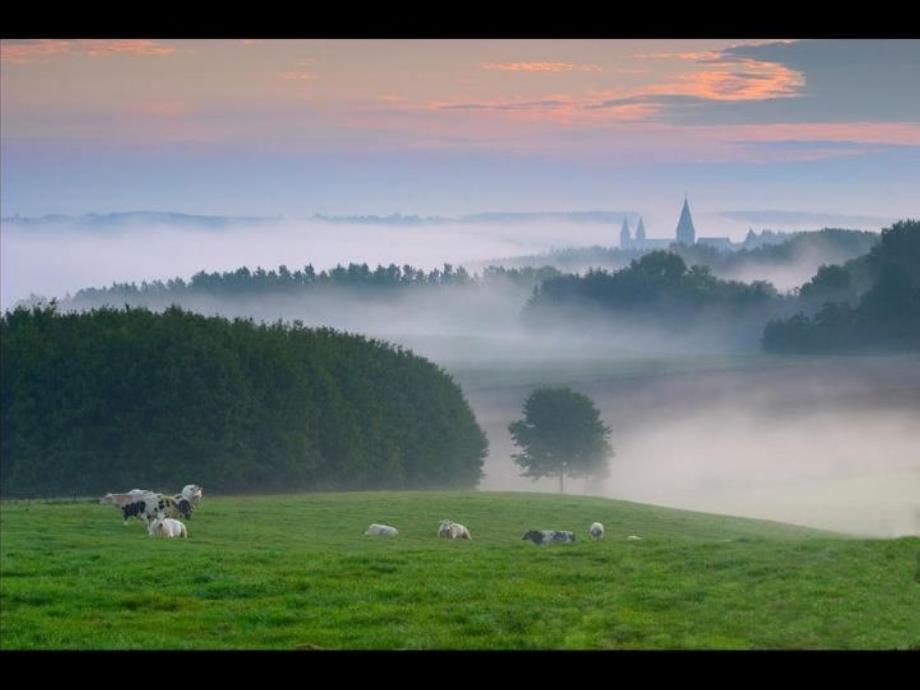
(382, 530)
(167, 527)
(548, 536)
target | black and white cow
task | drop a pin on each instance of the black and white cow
(147, 505)
(548, 536)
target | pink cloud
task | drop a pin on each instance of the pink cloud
(297, 75)
(541, 67)
(32, 50)
(29, 51)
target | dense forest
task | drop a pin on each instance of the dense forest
(109, 400)
(869, 304)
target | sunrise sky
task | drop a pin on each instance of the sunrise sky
(450, 127)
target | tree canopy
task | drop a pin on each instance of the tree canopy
(561, 434)
(111, 399)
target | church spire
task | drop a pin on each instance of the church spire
(624, 234)
(686, 234)
(640, 231)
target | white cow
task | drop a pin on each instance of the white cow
(596, 530)
(168, 528)
(453, 530)
(382, 530)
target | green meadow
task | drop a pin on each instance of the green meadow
(297, 572)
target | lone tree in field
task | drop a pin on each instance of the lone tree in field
(561, 434)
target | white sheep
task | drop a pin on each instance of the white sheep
(596, 530)
(382, 530)
(453, 530)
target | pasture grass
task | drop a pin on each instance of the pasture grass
(296, 572)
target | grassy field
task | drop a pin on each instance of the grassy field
(296, 572)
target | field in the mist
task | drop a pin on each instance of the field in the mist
(296, 572)
(828, 442)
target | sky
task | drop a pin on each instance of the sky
(453, 127)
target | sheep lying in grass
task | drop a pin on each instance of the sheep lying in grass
(168, 528)
(382, 530)
(453, 530)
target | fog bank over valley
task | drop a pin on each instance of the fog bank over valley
(824, 442)
(700, 419)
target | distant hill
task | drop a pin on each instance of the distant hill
(871, 303)
(129, 218)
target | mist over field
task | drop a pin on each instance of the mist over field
(824, 442)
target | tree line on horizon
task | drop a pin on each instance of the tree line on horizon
(243, 282)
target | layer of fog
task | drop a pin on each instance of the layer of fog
(52, 261)
(57, 259)
(831, 443)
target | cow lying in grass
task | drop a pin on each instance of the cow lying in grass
(167, 528)
(453, 530)
(548, 536)
(382, 530)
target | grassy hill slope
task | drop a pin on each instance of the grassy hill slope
(292, 572)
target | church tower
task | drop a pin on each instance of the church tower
(624, 234)
(685, 232)
(640, 231)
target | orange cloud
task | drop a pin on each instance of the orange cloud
(97, 48)
(29, 51)
(297, 76)
(32, 50)
(692, 55)
(743, 80)
(540, 67)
